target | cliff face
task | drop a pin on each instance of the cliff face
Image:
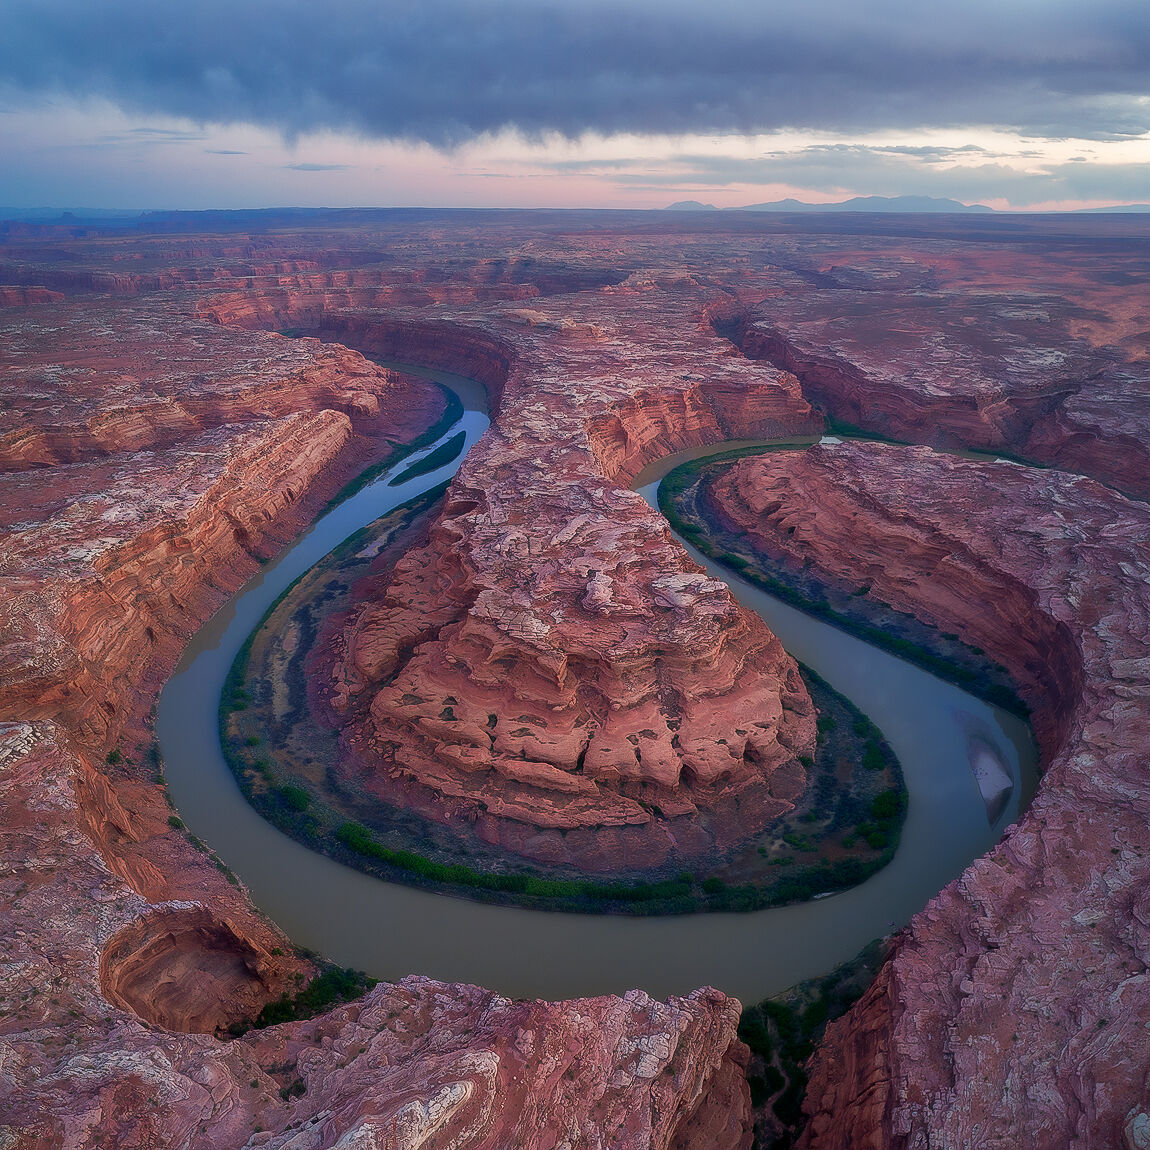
(1020, 354)
(79, 388)
(110, 1000)
(160, 490)
(99, 591)
(550, 665)
(575, 685)
(153, 440)
(919, 568)
(1031, 968)
(171, 480)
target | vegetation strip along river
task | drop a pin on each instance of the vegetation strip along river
(391, 930)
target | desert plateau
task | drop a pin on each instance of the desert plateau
(515, 680)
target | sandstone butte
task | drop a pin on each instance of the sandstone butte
(157, 437)
(551, 664)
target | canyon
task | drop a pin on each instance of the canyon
(1041, 938)
(548, 666)
(160, 436)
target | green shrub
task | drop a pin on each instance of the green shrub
(759, 1090)
(876, 837)
(333, 985)
(773, 1079)
(442, 455)
(788, 1107)
(754, 1032)
(295, 797)
(889, 805)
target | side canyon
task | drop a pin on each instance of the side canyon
(178, 405)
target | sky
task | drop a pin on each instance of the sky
(1018, 104)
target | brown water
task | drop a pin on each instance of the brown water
(391, 930)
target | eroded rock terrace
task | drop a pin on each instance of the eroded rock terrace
(102, 404)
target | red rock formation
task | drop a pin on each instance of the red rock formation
(182, 968)
(1026, 354)
(575, 693)
(551, 665)
(911, 565)
(108, 1001)
(163, 383)
(1012, 1010)
(1045, 939)
(23, 296)
(110, 564)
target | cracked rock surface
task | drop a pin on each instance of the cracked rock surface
(157, 437)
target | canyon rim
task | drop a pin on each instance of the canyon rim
(180, 402)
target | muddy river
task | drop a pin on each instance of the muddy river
(947, 741)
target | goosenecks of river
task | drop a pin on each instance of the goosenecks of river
(391, 930)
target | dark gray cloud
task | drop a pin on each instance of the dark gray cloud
(930, 153)
(446, 70)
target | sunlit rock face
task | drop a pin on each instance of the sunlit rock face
(569, 671)
(150, 460)
(551, 665)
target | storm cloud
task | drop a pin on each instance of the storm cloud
(445, 71)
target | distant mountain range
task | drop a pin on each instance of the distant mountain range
(231, 219)
(857, 204)
(880, 204)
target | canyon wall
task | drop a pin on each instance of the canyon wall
(1030, 968)
(1050, 370)
(155, 441)
(912, 565)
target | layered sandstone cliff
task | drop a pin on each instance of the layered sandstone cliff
(550, 665)
(1027, 353)
(1014, 1007)
(111, 1000)
(171, 480)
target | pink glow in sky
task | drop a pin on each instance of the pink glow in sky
(531, 103)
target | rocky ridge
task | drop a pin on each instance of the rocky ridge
(108, 995)
(551, 662)
(1041, 358)
(1032, 967)
(84, 838)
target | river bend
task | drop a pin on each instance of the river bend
(391, 930)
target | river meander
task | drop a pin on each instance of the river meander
(391, 930)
